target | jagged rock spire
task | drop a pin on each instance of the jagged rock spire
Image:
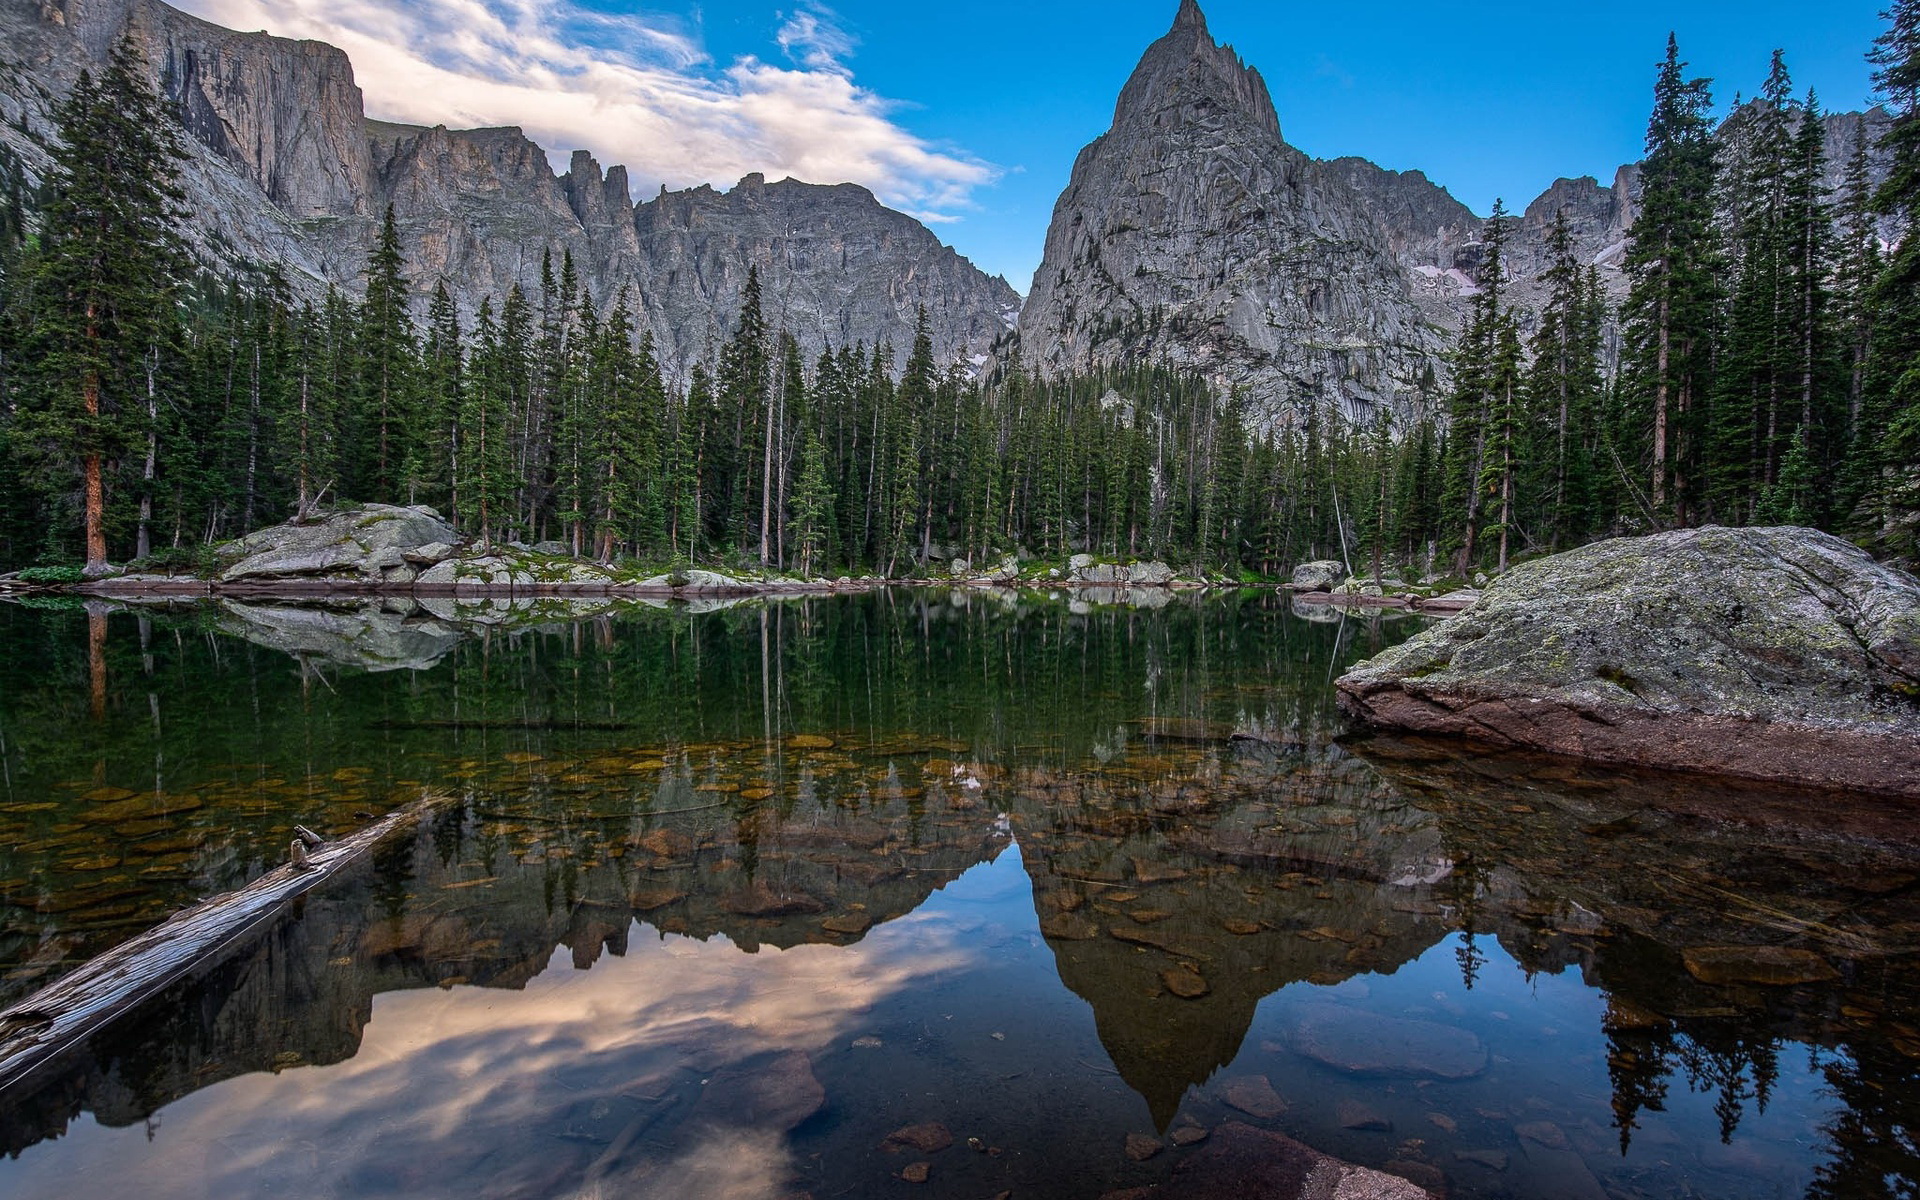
(1190, 15)
(1192, 234)
(1185, 65)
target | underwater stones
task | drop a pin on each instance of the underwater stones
(763, 1094)
(759, 900)
(1247, 1163)
(1142, 1146)
(1156, 940)
(1492, 1160)
(649, 900)
(1068, 927)
(930, 1137)
(1779, 654)
(1363, 1043)
(1253, 1095)
(918, 1172)
(1543, 1133)
(810, 741)
(1184, 982)
(1188, 1133)
(848, 924)
(1766, 966)
(1352, 1114)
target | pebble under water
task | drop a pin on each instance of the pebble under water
(956, 894)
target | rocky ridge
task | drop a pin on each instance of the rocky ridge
(286, 171)
(1779, 654)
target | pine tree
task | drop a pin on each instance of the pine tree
(387, 366)
(1891, 417)
(1471, 407)
(433, 453)
(1563, 391)
(103, 286)
(1669, 314)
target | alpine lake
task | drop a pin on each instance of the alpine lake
(917, 893)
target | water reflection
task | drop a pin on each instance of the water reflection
(726, 933)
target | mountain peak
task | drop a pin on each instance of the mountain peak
(1187, 66)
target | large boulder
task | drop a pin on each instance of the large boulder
(356, 544)
(1780, 654)
(1319, 576)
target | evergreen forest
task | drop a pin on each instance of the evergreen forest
(1764, 368)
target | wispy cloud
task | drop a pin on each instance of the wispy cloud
(812, 38)
(634, 90)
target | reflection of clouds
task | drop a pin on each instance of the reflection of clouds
(725, 1164)
(473, 1092)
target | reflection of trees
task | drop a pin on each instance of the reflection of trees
(1875, 1133)
(1736, 1065)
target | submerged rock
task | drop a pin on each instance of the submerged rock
(1367, 1044)
(1781, 654)
(1255, 1164)
(1254, 1095)
(1767, 966)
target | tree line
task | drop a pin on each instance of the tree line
(1768, 371)
(1769, 366)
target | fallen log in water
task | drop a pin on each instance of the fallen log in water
(65, 1013)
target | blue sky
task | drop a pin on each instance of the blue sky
(970, 115)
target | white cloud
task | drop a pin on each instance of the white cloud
(632, 90)
(814, 40)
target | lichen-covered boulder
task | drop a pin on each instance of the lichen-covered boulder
(1319, 576)
(351, 543)
(1780, 654)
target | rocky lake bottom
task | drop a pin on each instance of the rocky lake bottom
(915, 893)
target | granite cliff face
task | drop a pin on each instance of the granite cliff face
(285, 170)
(1192, 233)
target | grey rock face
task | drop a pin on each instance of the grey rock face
(1780, 654)
(284, 169)
(1438, 240)
(1321, 576)
(354, 543)
(1192, 233)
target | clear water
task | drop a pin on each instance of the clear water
(722, 900)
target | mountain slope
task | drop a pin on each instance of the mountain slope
(285, 171)
(1192, 233)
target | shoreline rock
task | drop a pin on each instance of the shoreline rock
(1780, 654)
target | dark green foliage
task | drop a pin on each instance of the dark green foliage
(98, 300)
(1889, 435)
(1671, 312)
(1769, 371)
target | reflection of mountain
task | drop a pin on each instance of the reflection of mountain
(644, 770)
(484, 900)
(1262, 869)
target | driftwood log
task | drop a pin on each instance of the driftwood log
(67, 1012)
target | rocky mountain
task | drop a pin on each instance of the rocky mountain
(1437, 239)
(286, 170)
(1193, 233)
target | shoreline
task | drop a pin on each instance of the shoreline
(300, 590)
